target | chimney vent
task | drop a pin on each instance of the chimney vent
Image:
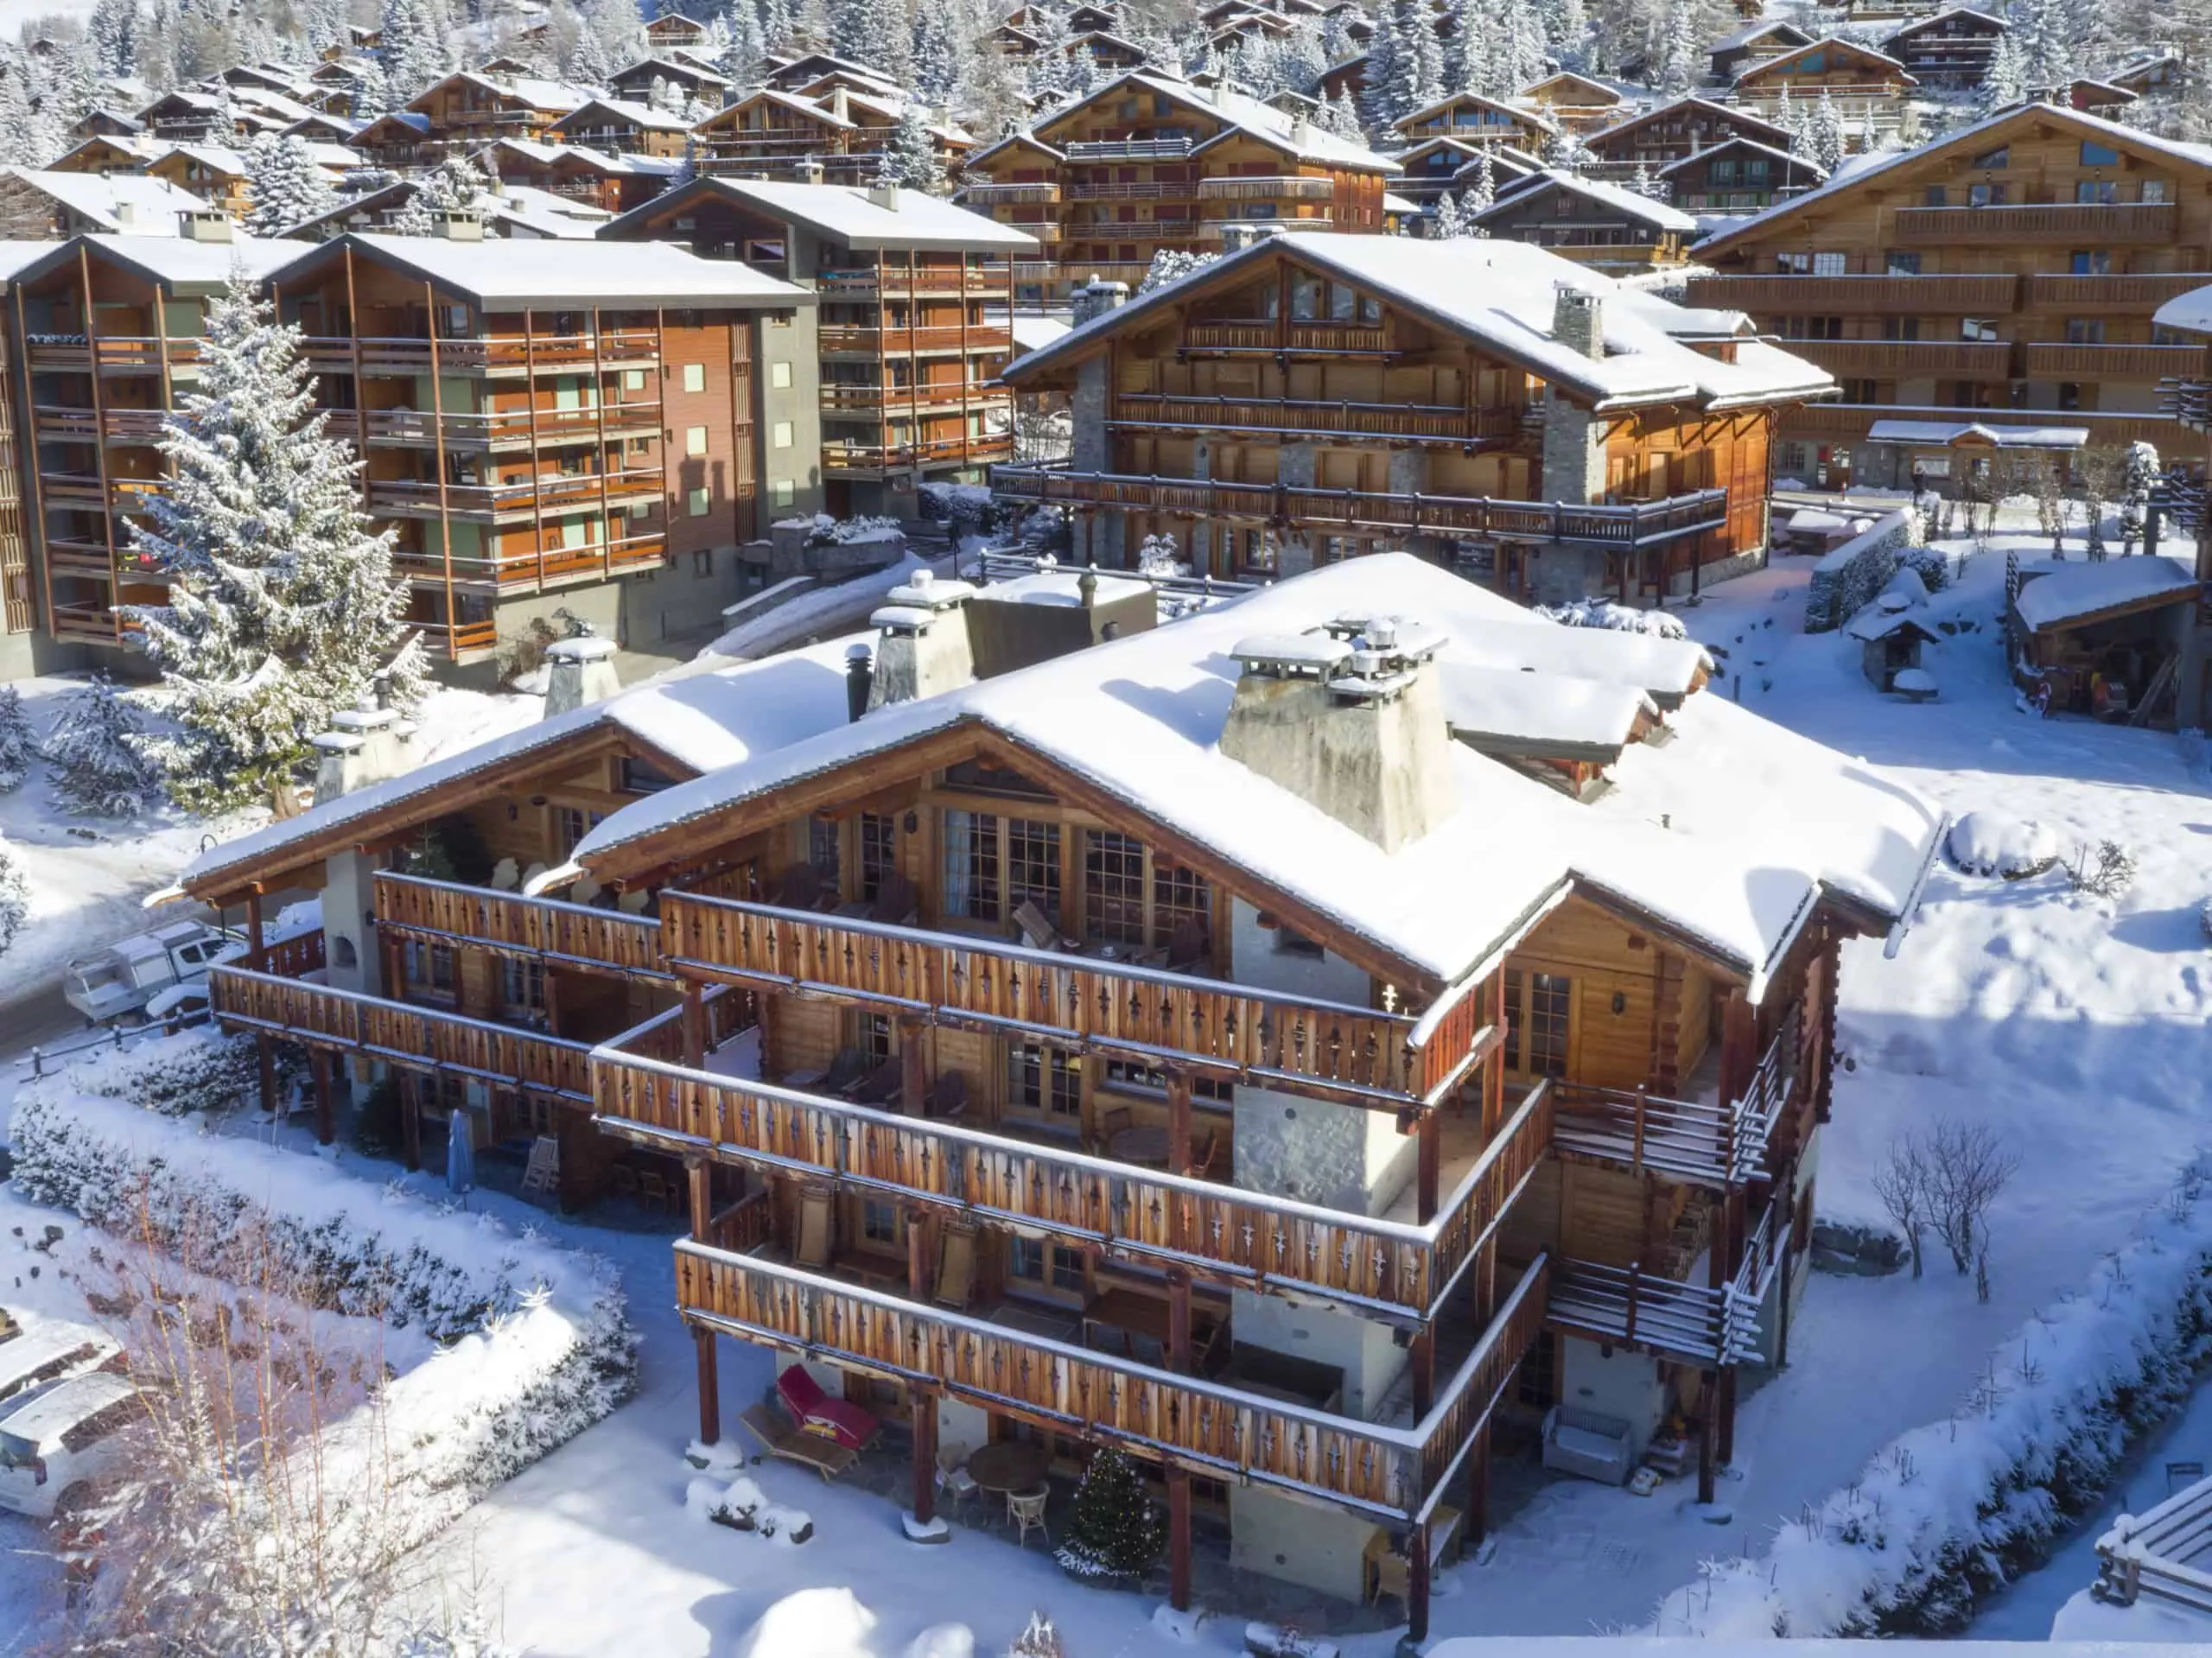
(579, 671)
(860, 679)
(1095, 298)
(1578, 321)
(457, 224)
(204, 224)
(925, 647)
(885, 196)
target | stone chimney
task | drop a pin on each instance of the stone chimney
(1096, 298)
(204, 224)
(579, 671)
(839, 104)
(860, 679)
(1350, 720)
(1578, 321)
(924, 648)
(809, 172)
(885, 196)
(365, 745)
(126, 216)
(1301, 131)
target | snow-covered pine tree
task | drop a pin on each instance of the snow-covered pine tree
(1824, 134)
(1641, 183)
(94, 757)
(1566, 31)
(1565, 151)
(282, 609)
(1446, 223)
(452, 186)
(18, 742)
(1679, 56)
(1480, 191)
(873, 32)
(14, 899)
(20, 140)
(1113, 1533)
(909, 155)
(285, 184)
(1171, 265)
(2138, 478)
(2005, 82)
(411, 51)
(1528, 48)
(940, 55)
(1340, 120)
(1475, 52)
(2048, 47)
(113, 30)
(1424, 58)
(1382, 96)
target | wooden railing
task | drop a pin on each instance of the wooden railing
(1628, 523)
(2160, 1553)
(550, 493)
(1874, 293)
(1251, 1239)
(1447, 422)
(535, 929)
(980, 281)
(414, 1039)
(979, 336)
(1698, 1322)
(1292, 336)
(744, 1225)
(294, 957)
(420, 428)
(2093, 224)
(1210, 1427)
(564, 354)
(876, 399)
(986, 190)
(1232, 1031)
(1249, 188)
(2083, 296)
(2097, 362)
(1169, 148)
(1973, 358)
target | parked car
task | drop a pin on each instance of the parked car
(181, 1005)
(54, 1443)
(48, 1349)
(132, 974)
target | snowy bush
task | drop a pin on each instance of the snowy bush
(1931, 566)
(1160, 558)
(828, 530)
(1172, 266)
(18, 742)
(1620, 619)
(1991, 843)
(93, 756)
(1950, 1510)
(1038, 1639)
(742, 1505)
(1846, 580)
(14, 899)
(2106, 871)
(200, 1069)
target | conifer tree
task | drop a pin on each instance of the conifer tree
(14, 899)
(285, 184)
(1824, 134)
(910, 156)
(94, 759)
(18, 742)
(1679, 54)
(1424, 59)
(283, 609)
(2139, 478)
(1113, 1533)
(940, 53)
(2006, 81)
(1480, 191)
(1449, 224)
(1381, 96)
(452, 186)
(113, 29)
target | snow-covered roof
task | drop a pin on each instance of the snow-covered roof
(1533, 118)
(1293, 134)
(1971, 137)
(1947, 432)
(1617, 198)
(2069, 593)
(1015, 141)
(152, 205)
(1570, 76)
(1034, 333)
(1918, 24)
(1735, 114)
(1726, 836)
(791, 101)
(704, 721)
(681, 68)
(2191, 311)
(1741, 142)
(1757, 30)
(508, 276)
(17, 256)
(1545, 713)
(527, 89)
(1395, 203)
(1774, 64)
(623, 109)
(852, 215)
(1503, 294)
(415, 123)
(216, 158)
(191, 268)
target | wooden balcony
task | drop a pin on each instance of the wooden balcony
(1632, 523)
(1877, 296)
(58, 424)
(1702, 1322)
(837, 399)
(552, 492)
(1283, 188)
(1131, 190)
(504, 353)
(1430, 422)
(86, 624)
(1330, 1050)
(2142, 362)
(992, 277)
(542, 929)
(524, 571)
(1164, 148)
(983, 192)
(1320, 338)
(989, 447)
(1213, 1428)
(459, 641)
(1977, 359)
(894, 342)
(411, 1038)
(1246, 1239)
(1852, 420)
(2101, 296)
(2082, 224)
(422, 428)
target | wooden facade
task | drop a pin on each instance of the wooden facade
(839, 138)
(1675, 130)
(1607, 227)
(1864, 85)
(466, 111)
(1736, 175)
(1473, 119)
(1952, 49)
(2013, 271)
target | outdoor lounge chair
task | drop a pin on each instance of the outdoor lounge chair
(879, 1087)
(824, 1455)
(897, 903)
(955, 1268)
(815, 1411)
(948, 1096)
(815, 1231)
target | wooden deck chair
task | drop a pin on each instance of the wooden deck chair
(1203, 1156)
(824, 1455)
(879, 1087)
(800, 887)
(948, 1096)
(1186, 946)
(816, 1232)
(955, 1268)
(897, 903)
(1035, 927)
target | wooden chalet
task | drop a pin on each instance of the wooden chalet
(914, 295)
(1108, 50)
(2151, 72)
(609, 182)
(1316, 397)
(399, 142)
(839, 139)
(2094, 97)
(2185, 507)
(802, 72)
(186, 117)
(554, 419)
(1573, 101)
(1864, 84)
(24, 649)
(1672, 130)
(52, 206)
(217, 176)
(1757, 42)
(622, 127)
(1606, 226)
(674, 29)
(1472, 119)
(1950, 50)
(1738, 175)
(102, 122)
(2010, 269)
(1006, 1082)
(655, 80)
(466, 110)
(106, 154)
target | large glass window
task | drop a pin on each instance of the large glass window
(1538, 1013)
(1032, 865)
(1043, 1081)
(879, 852)
(1113, 891)
(971, 864)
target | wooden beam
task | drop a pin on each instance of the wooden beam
(326, 1127)
(1424, 1369)
(913, 1080)
(1429, 1172)
(1417, 1584)
(411, 1119)
(1178, 1538)
(710, 1392)
(699, 1180)
(925, 1416)
(695, 1025)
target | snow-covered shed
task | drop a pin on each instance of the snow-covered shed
(2105, 637)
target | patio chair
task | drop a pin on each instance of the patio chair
(1113, 1121)
(848, 1068)
(953, 1478)
(948, 1097)
(800, 887)
(955, 1267)
(1203, 1154)
(816, 1412)
(897, 903)
(879, 1087)
(1186, 946)
(825, 1456)
(1025, 1511)
(816, 1232)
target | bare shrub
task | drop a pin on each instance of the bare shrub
(1967, 1166)
(1902, 1186)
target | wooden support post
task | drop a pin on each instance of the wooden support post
(552, 1002)
(1477, 1526)
(256, 942)
(1705, 1438)
(1424, 1368)
(695, 1025)
(1428, 1165)
(326, 1126)
(395, 966)
(1178, 1538)
(918, 1254)
(411, 1119)
(710, 1392)
(767, 1005)
(924, 1458)
(265, 1051)
(1179, 1120)
(1417, 1584)
(913, 1081)
(699, 1175)
(1179, 1320)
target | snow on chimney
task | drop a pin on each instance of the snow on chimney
(365, 745)
(1095, 298)
(204, 224)
(1350, 720)
(885, 196)
(579, 671)
(924, 648)
(1578, 321)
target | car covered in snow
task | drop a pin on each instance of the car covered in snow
(55, 1442)
(41, 1351)
(132, 973)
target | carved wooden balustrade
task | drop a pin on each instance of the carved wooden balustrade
(535, 929)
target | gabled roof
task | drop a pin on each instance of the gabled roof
(1782, 64)
(216, 158)
(1512, 111)
(151, 200)
(1502, 296)
(1797, 162)
(528, 91)
(1971, 138)
(1505, 162)
(509, 276)
(1918, 24)
(673, 68)
(1569, 78)
(622, 109)
(417, 126)
(791, 101)
(1759, 31)
(183, 268)
(1733, 113)
(1234, 109)
(1614, 198)
(1018, 140)
(846, 213)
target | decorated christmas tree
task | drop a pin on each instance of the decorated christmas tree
(18, 742)
(93, 756)
(1114, 1532)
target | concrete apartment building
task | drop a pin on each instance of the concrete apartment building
(1250, 1041)
(2007, 274)
(914, 306)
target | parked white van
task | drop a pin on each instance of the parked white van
(54, 1443)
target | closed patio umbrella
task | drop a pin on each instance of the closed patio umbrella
(460, 1155)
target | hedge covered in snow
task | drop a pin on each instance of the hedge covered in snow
(199, 1069)
(537, 1343)
(1847, 580)
(1950, 1511)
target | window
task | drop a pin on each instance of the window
(1113, 887)
(428, 967)
(2096, 192)
(1537, 1015)
(2153, 190)
(694, 440)
(1829, 264)
(1904, 264)
(571, 825)
(880, 1224)
(694, 377)
(695, 503)
(1977, 328)
(780, 434)
(1862, 392)
(879, 852)
(2096, 154)
(1043, 1081)
(1129, 1075)
(2070, 394)
(971, 864)
(703, 562)
(1049, 1266)
(1987, 196)
(876, 1036)
(1812, 327)
(2085, 331)
(1291, 942)
(2001, 156)
(2093, 263)
(1538, 1382)
(825, 848)
(1900, 328)
(1790, 460)
(779, 376)
(782, 492)
(640, 778)
(633, 380)
(1935, 196)
(524, 984)
(1304, 298)
(1793, 264)
(1032, 865)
